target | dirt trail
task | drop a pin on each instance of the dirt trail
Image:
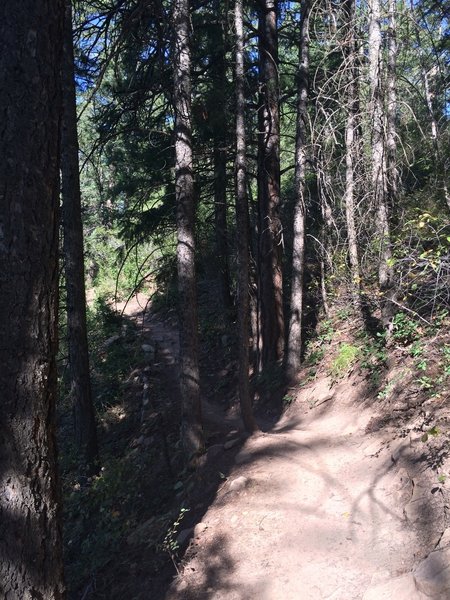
(316, 517)
(162, 337)
(315, 509)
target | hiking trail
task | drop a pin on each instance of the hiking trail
(316, 508)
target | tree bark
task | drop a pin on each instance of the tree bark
(84, 413)
(191, 422)
(385, 267)
(242, 225)
(294, 342)
(30, 102)
(391, 120)
(219, 75)
(350, 148)
(270, 229)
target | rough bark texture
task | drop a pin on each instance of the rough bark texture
(391, 121)
(84, 414)
(30, 539)
(294, 343)
(270, 229)
(219, 76)
(385, 269)
(184, 191)
(350, 147)
(326, 214)
(242, 224)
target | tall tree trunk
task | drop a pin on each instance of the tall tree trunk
(326, 214)
(219, 75)
(242, 225)
(30, 62)
(270, 230)
(391, 121)
(294, 342)
(379, 191)
(191, 423)
(440, 159)
(85, 428)
(350, 147)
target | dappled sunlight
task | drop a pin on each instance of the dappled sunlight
(308, 511)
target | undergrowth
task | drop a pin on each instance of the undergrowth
(135, 483)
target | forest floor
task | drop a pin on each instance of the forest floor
(341, 496)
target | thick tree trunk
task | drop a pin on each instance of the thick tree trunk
(270, 230)
(85, 428)
(191, 423)
(294, 342)
(379, 191)
(30, 537)
(350, 148)
(219, 76)
(242, 225)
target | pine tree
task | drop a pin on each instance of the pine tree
(184, 191)
(294, 344)
(30, 96)
(242, 227)
(85, 427)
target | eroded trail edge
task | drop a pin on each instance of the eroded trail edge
(320, 509)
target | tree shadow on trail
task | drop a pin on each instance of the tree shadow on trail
(137, 505)
(216, 580)
(366, 516)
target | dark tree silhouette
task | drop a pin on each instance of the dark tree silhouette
(30, 102)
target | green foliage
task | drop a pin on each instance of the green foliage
(170, 543)
(116, 270)
(433, 431)
(406, 329)
(425, 382)
(374, 354)
(386, 391)
(113, 354)
(345, 358)
(314, 357)
(326, 331)
(288, 399)
(417, 349)
(93, 516)
(445, 351)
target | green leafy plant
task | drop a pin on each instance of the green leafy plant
(326, 331)
(344, 360)
(446, 359)
(416, 350)
(374, 355)
(386, 391)
(170, 543)
(314, 357)
(422, 365)
(405, 328)
(343, 313)
(425, 382)
(288, 399)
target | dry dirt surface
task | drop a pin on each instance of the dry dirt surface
(318, 509)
